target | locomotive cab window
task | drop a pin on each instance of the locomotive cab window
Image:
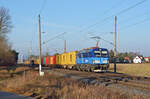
(97, 53)
(82, 55)
(104, 53)
(101, 53)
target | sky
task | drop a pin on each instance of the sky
(80, 20)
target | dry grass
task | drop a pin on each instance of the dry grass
(133, 69)
(8, 72)
(55, 87)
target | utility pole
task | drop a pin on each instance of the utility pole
(97, 42)
(115, 50)
(31, 51)
(0, 24)
(40, 49)
(64, 46)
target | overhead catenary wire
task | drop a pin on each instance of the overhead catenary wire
(122, 11)
(137, 16)
(101, 33)
(131, 7)
(106, 11)
(43, 6)
(98, 37)
(111, 43)
(125, 10)
(133, 18)
(39, 11)
(116, 14)
(54, 37)
(115, 6)
(109, 17)
(134, 24)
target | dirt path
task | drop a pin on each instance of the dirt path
(6, 95)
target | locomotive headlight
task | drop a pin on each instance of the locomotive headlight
(96, 61)
(105, 61)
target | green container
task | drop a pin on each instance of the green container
(44, 60)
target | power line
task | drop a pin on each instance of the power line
(96, 23)
(137, 16)
(42, 7)
(108, 10)
(54, 37)
(98, 37)
(107, 41)
(131, 7)
(128, 26)
(134, 24)
(114, 6)
(119, 13)
(101, 33)
(34, 17)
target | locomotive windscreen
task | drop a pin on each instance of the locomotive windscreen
(101, 53)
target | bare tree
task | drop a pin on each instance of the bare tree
(5, 22)
(7, 55)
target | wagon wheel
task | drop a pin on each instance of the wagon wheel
(92, 69)
(88, 70)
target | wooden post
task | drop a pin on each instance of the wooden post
(40, 67)
(115, 48)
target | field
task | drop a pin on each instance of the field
(52, 86)
(133, 69)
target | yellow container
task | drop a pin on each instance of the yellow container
(27, 62)
(71, 57)
(68, 58)
(51, 59)
(62, 57)
(58, 59)
(36, 61)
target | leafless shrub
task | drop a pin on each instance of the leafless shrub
(56, 87)
(6, 55)
(5, 21)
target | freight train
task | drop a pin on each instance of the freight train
(90, 59)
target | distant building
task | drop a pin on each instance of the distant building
(137, 59)
(147, 59)
(127, 60)
(20, 59)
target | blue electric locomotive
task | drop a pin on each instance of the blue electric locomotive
(93, 59)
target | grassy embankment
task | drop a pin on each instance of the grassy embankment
(56, 87)
(133, 69)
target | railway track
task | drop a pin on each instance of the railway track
(124, 82)
(110, 77)
(106, 79)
